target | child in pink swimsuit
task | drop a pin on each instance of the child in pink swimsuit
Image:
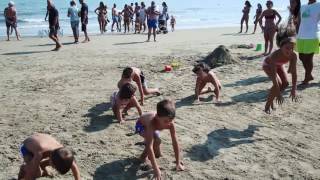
(273, 67)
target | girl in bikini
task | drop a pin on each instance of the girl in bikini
(270, 28)
(273, 67)
(245, 17)
(101, 12)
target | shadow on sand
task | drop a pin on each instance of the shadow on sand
(251, 97)
(222, 139)
(236, 34)
(311, 85)
(190, 101)
(248, 82)
(98, 121)
(128, 43)
(120, 170)
(51, 44)
(24, 53)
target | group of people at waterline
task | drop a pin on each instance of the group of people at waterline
(42, 150)
(138, 17)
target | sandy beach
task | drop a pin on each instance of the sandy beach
(66, 94)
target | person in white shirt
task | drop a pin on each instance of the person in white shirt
(73, 13)
(308, 39)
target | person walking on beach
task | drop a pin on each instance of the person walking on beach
(308, 38)
(10, 15)
(256, 17)
(73, 13)
(101, 12)
(143, 16)
(53, 24)
(270, 28)
(245, 17)
(152, 16)
(84, 19)
(115, 17)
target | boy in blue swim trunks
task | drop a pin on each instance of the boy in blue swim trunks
(42, 150)
(149, 125)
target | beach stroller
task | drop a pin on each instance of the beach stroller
(162, 25)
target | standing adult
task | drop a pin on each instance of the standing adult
(152, 16)
(165, 13)
(295, 6)
(132, 14)
(308, 39)
(143, 16)
(10, 15)
(73, 13)
(101, 12)
(115, 17)
(245, 16)
(53, 24)
(84, 19)
(270, 28)
(137, 10)
(256, 17)
(126, 17)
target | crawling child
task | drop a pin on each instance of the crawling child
(130, 74)
(204, 76)
(42, 150)
(149, 125)
(123, 100)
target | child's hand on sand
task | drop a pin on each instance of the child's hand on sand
(294, 96)
(180, 167)
(280, 100)
(122, 122)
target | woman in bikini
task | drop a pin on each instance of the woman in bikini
(273, 66)
(101, 12)
(256, 17)
(245, 17)
(270, 28)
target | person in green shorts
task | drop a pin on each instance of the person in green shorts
(308, 39)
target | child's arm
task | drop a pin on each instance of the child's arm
(176, 149)
(137, 105)
(140, 89)
(118, 113)
(32, 169)
(293, 71)
(149, 147)
(197, 89)
(75, 171)
(274, 78)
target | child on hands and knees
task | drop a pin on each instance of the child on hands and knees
(273, 67)
(130, 74)
(42, 150)
(149, 125)
(124, 100)
(204, 76)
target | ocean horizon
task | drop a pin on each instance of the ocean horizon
(190, 14)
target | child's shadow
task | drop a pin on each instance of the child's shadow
(222, 139)
(98, 121)
(120, 170)
(190, 101)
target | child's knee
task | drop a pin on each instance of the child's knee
(285, 84)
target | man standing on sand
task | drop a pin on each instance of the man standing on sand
(10, 15)
(84, 19)
(53, 24)
(152, 14)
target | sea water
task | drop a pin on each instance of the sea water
(189, 13)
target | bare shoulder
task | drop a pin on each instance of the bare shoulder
(146, 118)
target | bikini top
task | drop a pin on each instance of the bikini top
(273, 16)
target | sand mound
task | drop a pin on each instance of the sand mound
(219, 57)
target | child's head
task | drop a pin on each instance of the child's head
(127, 72)
(62, 160)
(286, 39)
(166, 110)
(201, 67)
(127, 91)
(295, 6)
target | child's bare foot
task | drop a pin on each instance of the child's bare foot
(307, 80)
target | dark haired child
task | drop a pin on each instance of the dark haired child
(149, 125)
(124, 100)
(130, 74)
(204, 76)
(273, 66)
(42, 150)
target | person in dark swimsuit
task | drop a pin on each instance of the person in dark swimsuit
(10, 14)
(54, 24)
(84, 19)
(256, 17)
(101, 12)
(245, 17)
(270, 28)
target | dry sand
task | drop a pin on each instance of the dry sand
(66, 94)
